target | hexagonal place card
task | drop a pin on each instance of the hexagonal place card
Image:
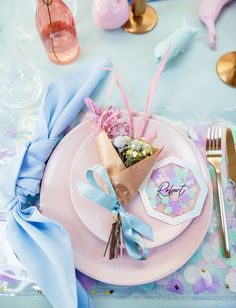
(174, 191)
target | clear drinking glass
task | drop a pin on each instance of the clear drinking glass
(18, 20)
(20, 83)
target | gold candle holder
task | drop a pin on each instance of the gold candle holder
(226, 68)
(143, 18)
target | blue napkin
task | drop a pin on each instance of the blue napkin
(42, 245)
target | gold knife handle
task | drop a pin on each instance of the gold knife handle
(225, 235)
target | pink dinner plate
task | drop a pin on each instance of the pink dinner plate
(86, 209)
(88, 249)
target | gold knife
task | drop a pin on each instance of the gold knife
(231, 156)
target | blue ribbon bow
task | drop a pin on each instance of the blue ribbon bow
(132, 228)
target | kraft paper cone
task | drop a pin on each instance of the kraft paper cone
(108, 156)
(125, 181)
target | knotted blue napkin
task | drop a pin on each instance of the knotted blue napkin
(42, 245)
(132, 227)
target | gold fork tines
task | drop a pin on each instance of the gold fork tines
(214, 156)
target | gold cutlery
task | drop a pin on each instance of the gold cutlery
(214, 156)
(231, 156)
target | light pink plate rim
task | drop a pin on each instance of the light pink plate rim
(156, 272)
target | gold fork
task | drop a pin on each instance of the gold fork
(214, 156)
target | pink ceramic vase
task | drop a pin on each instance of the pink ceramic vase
(110, 14)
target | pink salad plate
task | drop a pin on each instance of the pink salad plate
(87, 210)
(56, 203)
